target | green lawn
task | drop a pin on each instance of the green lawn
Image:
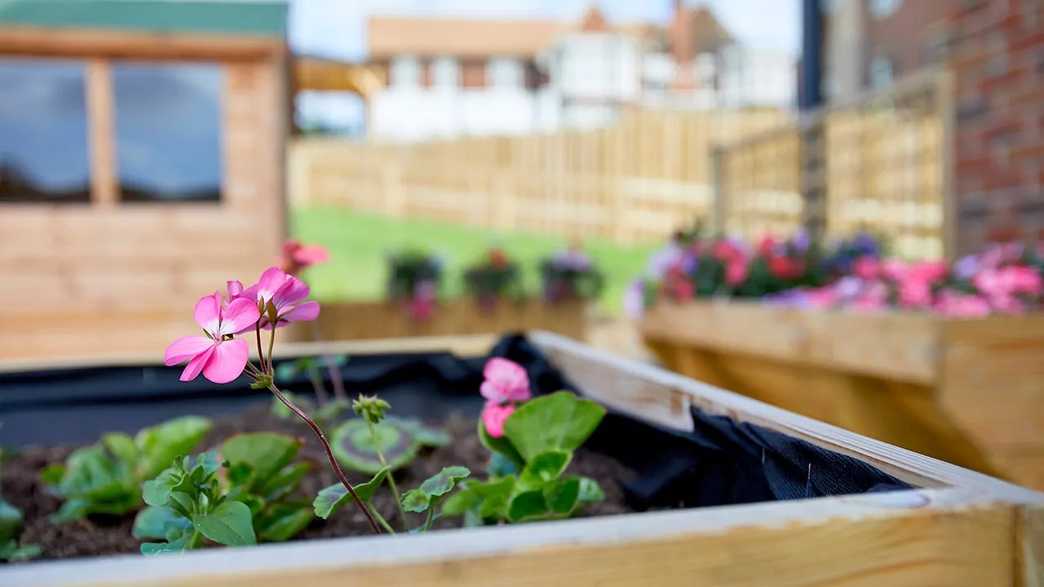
(359, 242)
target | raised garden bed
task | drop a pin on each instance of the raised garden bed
(372, 320)
(721, 489)
(968, 391)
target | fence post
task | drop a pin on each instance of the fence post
(812, 175)
(945, 95)
(719, 205)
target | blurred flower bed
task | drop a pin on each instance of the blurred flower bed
(852, 274)
(416, 276)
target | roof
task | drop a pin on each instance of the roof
(256, 18)
(429, 37)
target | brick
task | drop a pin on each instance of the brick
(994, 82)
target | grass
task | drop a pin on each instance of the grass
(359, 242)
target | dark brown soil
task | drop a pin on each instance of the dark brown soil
(101, 535)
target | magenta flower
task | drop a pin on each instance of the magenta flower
(493, 418)
(297, 256)
(284, 292)
(219, 356)
(506, 381)
(960, 305)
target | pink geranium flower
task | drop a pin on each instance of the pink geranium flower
(284, 292)
(867, 267)
(297, 256)
(493, 418)
(736, 270)
(959, 305)
(219, 356)
(506, 381)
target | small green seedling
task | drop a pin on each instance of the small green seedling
(528, 480)
(10, 527)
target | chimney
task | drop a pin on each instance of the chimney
(681, 42)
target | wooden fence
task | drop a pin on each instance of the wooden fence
(636, 181)
(879, 163)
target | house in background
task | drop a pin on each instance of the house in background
(453, 77)
(141, 165)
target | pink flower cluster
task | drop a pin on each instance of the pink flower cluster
(506, 385)
(997, 280)
(276, 300)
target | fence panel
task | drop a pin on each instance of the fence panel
(635, 181)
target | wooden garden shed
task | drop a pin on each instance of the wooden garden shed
(141, 165)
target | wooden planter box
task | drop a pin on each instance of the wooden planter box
(958, 528)
(372, 320)
(968, 391)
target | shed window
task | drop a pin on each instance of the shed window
(43, 131)
(168, 131)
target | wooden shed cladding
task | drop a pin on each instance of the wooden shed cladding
(76, 273)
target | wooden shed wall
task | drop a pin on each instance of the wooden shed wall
(108, 276)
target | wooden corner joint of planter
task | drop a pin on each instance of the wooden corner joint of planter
(1029, 546)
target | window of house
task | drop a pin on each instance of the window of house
(405, 72)
(168, 131)
(505, 73)
(43, 131)
(446, 73)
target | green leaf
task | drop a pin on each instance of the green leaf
(284, 481)
(122, 447)
(527, 505)
(12, 552)
(72, 509)
(156, 523)
(486, 500)
(91, 475)
(418, 500)
(332, 498)
(332, 410)
(426, 435)
(159, 445)
(501, 446)
(356, 449)
(264, 452)
(52, 474)
(156, 492)
(562, 495)
(560, 421)
(10, 521)
(590, 491)
(415, 501)
(501, 466)
(229, 524)
(282, 521)
(544, 467)
(186, 541)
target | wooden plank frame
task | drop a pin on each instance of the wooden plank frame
(958, 528)
(966, 390)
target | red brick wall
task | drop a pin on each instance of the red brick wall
(997, 52)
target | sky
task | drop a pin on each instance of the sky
(337, 28)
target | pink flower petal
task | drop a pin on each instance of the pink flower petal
(185, 348)
(494, 416)
(208, 312)
(227, 362)
(293, 290)
(197, 363)
(311, 254)
(271, 280)
(240, 315)
(505, 381)
(235, 288)
(302, 312)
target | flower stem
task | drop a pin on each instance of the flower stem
(391, 477)
(329, 455)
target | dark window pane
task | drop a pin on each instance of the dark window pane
(43, 131)
(168, 131)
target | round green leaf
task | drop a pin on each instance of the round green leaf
(560, 421)
(356, 448)
(229, 524)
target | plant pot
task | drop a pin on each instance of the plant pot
(968, 391)
(938, 524)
